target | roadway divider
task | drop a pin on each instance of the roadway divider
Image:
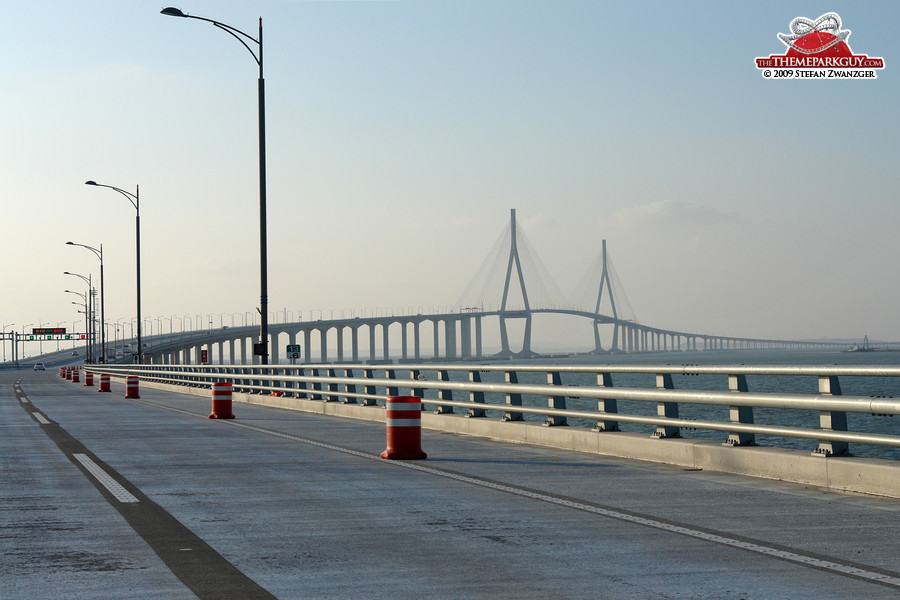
(88, 379)
(403, 421)
(76, 377)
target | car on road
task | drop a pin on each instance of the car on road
(39, 366)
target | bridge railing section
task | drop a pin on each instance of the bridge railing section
(788, 406)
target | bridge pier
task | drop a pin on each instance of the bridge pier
(404, 345)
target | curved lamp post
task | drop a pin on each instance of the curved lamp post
(135, 200)
(89, 320)
(11, 336)
(99, 254)
(24, 327)
(84, 297)
(261, 349)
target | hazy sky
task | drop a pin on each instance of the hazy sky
(400, 134)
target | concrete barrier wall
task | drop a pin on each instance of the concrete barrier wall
(844, 474)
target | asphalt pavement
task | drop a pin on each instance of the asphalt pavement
(103, 497)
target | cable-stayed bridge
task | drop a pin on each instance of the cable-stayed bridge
(510, 292)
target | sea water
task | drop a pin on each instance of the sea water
(850, 386)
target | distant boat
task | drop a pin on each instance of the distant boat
(864, 348)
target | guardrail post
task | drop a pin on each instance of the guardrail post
(513, 399)
(349, 388)
(739, 414)
(666, 409)
(316, 386)
(301, 385)
(443, 394)
(416, 375)
(556, 402)
(829, 385)
(604, 380)
(392, 390)
(370, 390)
(332, 387)
(477, 397)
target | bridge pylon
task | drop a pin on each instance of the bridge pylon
(505, 314)
(606, 284)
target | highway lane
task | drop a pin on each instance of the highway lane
(290, 505)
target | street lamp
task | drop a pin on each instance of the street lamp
(99, 254)
(135, 200)
(88, 353)
(90, 333)
(261, 349)
(23, 344)
(11, 336)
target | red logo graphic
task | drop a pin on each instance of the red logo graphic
(818, 49)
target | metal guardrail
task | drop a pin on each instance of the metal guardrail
(511, 399)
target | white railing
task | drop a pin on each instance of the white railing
(516, 392)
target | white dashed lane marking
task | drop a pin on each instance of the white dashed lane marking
(121, 494)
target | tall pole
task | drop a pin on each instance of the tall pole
(262, 348)
(263, 261)
(135, 200)
(137, 254)
(99, 254)
(4, 339)
(102, 312)
(88, 298)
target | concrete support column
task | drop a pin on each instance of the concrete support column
(416, 342)
(465, 335)
(372, 342)
(275, 357)
(479, 351)
(386, 341)
(403, 343)
(450, 338)
(437, 340)
(323, 343)
(307, 345)
(354, 343)
(340, 343)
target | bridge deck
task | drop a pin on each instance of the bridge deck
(292, 505)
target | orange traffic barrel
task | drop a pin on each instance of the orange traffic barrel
(104, 382)
(221, 400)
(404, 428)
(131, 387)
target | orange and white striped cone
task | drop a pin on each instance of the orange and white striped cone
(221, 400)
(88, 379)
(403, 421)
(104, 383)
(131, 387)
(76, 376)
